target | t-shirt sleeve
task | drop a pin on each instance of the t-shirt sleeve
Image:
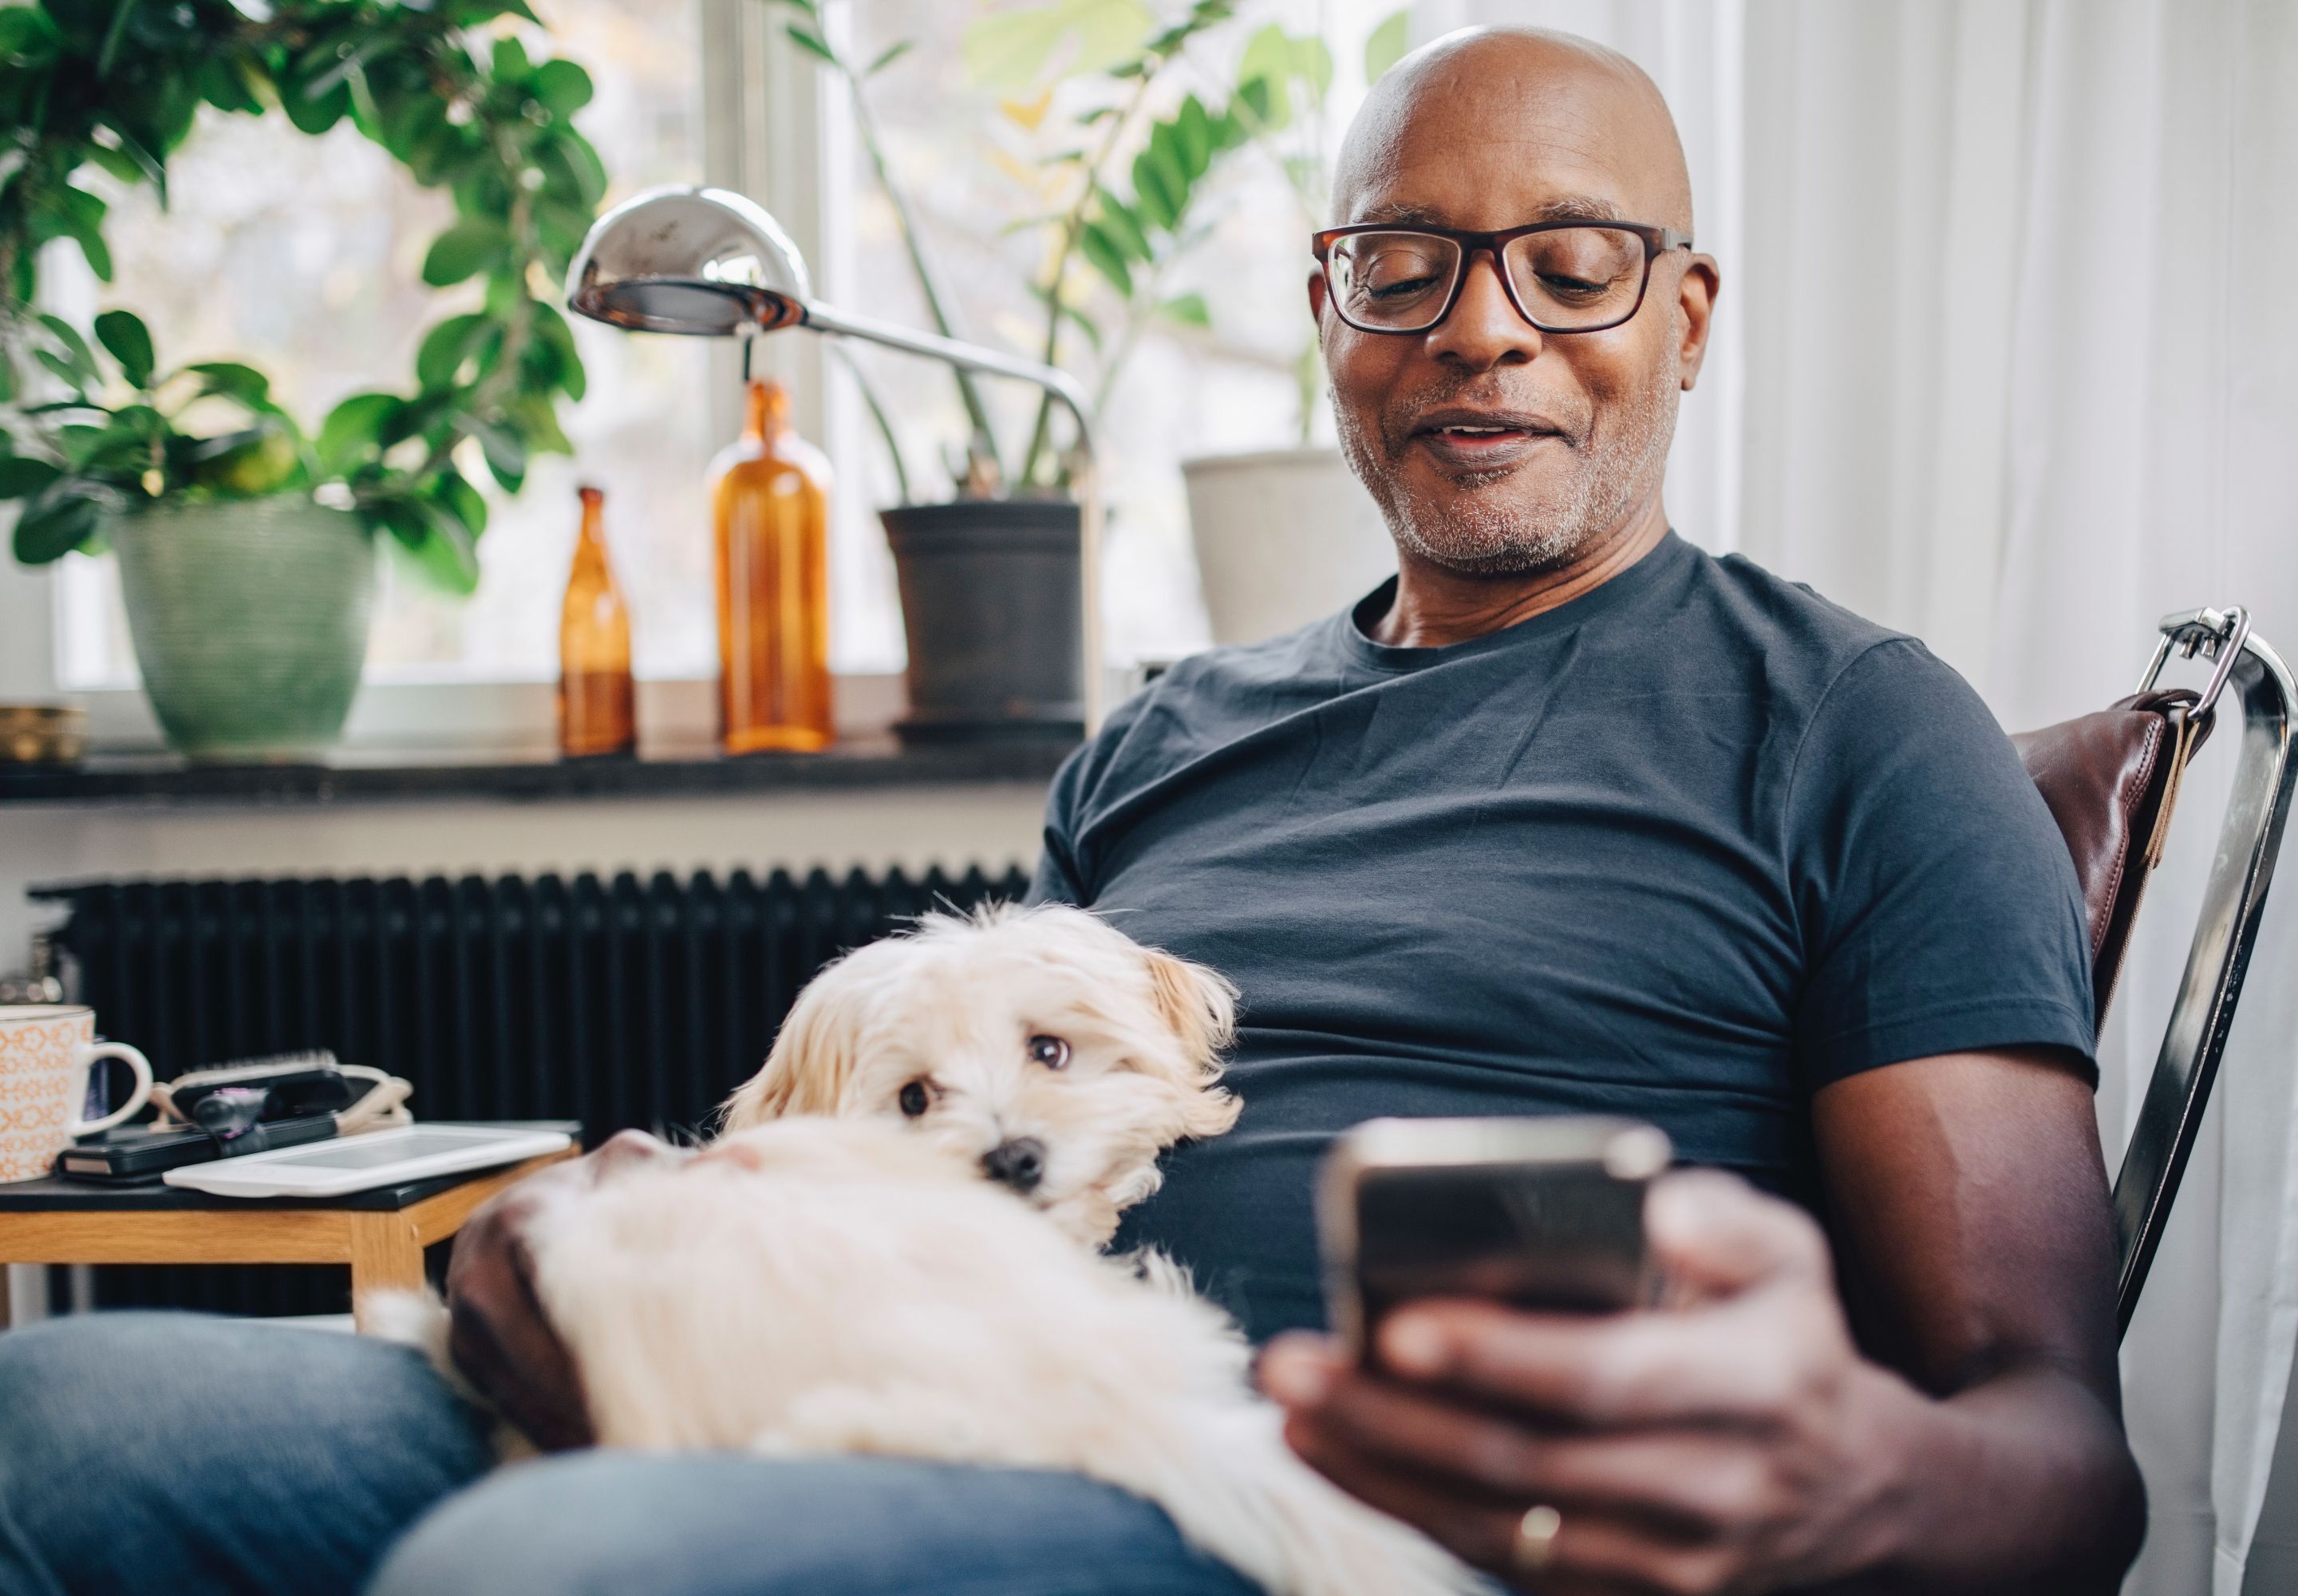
(1938, 904)
(1059, 878)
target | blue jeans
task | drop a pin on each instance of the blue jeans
(170, 1453)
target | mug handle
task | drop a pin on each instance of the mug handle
(142, 1067)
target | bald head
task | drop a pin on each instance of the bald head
(1531, 95)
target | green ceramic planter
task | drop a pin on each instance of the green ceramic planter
(251, 621)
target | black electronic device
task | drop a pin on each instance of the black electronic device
(1542, 1213)
(125, 1157)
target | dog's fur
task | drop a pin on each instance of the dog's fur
(834, 1275)
(952, 1006)
(815, 1287)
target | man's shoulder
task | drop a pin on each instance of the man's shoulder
(1790, 621)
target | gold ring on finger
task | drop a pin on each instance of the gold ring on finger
(1533, 1546)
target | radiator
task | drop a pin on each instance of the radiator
(617, 1003)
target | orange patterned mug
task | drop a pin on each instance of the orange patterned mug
(45, 1053)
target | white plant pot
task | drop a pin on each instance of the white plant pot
(1283, 537)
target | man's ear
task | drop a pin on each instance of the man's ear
(1317, 288)
(813, 1059)
(1695, 308)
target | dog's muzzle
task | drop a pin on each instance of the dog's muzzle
(1019, 1163)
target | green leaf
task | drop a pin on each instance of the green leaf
(1388, 43)
(511, 64)
(109, 51)
(461, 500)
(1190, 309)
(447, 346)
(315, 114)
(124, 334)
(21, 475)
(571, 169)
(353, 431)
(887, 56)
(446, 552)
(1106, 258)
(78, 362)
(552, 334)
(1124, 228)
(807, 39)
(506, 454)
(52, 527)
(1192, 137)
(228, 379)
(1010, 51)
(562, 86)
(75, 214)
(1160, 193)
(476, 244)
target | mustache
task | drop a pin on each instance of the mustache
(1404, 410)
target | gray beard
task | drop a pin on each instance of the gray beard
(1479, 535)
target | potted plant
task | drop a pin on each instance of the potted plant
(988, 578)
(1283, 536)
(246, 542)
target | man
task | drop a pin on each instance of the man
(1571, 816)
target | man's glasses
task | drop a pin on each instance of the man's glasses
(1562, 277)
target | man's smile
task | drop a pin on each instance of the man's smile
(1480, 439)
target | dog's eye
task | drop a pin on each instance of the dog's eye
(913, 1099)
(1050, 1050)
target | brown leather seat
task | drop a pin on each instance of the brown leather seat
(2105, 777)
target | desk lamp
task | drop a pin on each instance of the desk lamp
(710, 263)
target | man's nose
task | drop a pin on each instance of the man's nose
(1019, 1163)
(1484, 329)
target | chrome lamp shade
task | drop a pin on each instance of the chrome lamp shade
(702, 261)
(709, 262)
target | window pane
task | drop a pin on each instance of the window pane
(967, 160)
(303, 256)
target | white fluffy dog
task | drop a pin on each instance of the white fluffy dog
(834, 1274)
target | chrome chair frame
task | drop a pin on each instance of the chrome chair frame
(2250, 838)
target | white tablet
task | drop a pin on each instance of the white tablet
(362, 1162)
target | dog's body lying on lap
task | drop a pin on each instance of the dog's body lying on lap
(835, 1274)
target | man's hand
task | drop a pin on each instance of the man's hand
(502, 1341)
(1733, 1440)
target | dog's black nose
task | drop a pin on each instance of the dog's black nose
(1019, 1163)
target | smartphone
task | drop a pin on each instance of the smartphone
(1544, 1213)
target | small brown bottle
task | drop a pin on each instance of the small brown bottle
(597, 700)
(770, 502)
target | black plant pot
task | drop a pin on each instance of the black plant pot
(989, 605)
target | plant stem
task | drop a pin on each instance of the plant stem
(984, 440)
(1073, 229)
(877, 414)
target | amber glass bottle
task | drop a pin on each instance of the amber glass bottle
(770, 498)
(597, 711)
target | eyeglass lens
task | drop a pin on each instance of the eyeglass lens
(1566, 279)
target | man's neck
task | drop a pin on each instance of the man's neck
(1435, 607)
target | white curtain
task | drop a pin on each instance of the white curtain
(2017, 371)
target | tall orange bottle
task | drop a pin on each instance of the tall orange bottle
(597, 711)
(770, 499)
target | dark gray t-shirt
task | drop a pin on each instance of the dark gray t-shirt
(1689, 847)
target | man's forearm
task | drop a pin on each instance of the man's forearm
(2020, 1483)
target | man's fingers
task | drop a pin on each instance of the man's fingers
(1733, 1363)
(1699, 1480)
(1714, 1234)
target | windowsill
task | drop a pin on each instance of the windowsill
(693, 770)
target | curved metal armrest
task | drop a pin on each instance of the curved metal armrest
(2249, 838)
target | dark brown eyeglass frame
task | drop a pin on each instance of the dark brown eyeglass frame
(1657, 241)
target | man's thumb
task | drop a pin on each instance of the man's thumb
(1715, 1235)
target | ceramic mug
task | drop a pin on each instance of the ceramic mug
(45, 1053)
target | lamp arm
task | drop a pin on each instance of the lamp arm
(971, 357)
(1084, 477)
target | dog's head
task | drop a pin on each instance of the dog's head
(1048, 1049)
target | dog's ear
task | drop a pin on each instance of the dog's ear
(812, 1060)
(1198, 1003)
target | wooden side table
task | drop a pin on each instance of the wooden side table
(380, 1233)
